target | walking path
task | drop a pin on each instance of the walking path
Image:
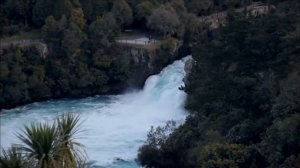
(138, 40)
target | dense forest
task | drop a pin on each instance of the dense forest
(83, 58)
(243, 90)
(243, 98)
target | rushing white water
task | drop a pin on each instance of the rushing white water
(115, 126)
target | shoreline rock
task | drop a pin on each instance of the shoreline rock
(188, 68)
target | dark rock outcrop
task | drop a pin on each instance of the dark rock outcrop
(188, 68)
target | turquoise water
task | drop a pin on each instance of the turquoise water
(114, 126)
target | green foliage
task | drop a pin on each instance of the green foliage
(94, 8)
(200, 6)
(101, 62)
(149, 154)
(122, 12)
(83, 58)
(72, 39)
(62, 7)
(47, 146)
(144, 10)
(68, 126)
(243, 98)
(40, 143)
(12, 158)
(243, 91)
(223, 155)
(102, 31)
(41, 10)
(26, 76)
(19, 8)
(50, 26)
(164, 20)
(119, 69)
(288, 102)
(77, 17)
(281, 142)
(166, 51)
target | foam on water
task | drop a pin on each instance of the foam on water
(115, 126)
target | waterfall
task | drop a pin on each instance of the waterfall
(114, 126)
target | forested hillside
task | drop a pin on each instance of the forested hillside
(243, 98)
(83, 58)
(243, 93)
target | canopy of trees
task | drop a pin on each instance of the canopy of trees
(243, 91)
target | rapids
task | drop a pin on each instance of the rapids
(114, 126)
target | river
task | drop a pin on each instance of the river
(114, 126)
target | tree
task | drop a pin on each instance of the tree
(103, 30)
(231, 3)
(149, 154)
(62, 7)
(77, 17)
(165, 51)
(19, 9)
(122, 12)
(288, 101)
(119, 70)
(192, 26)
(179, 6)
(72, 39)
(47, 146)
(53, 33)
(83, 78)
(68, 126)
(164, 21)
(281, 142)
(41, 10)
(143, 10)
(101, 61)
(4, 71)
(199, 7)
(50, 28)
(12, 158)
(94, 8)
(224, 155)
(41, 144)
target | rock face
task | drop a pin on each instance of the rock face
(145, 62)
(188, 68)
(215, 20)
(140, 64)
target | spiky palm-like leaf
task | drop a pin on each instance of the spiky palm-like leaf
(12, 158)
(53, 146)
(68, 127)
(41, 144)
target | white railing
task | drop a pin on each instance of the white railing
(141, 41)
